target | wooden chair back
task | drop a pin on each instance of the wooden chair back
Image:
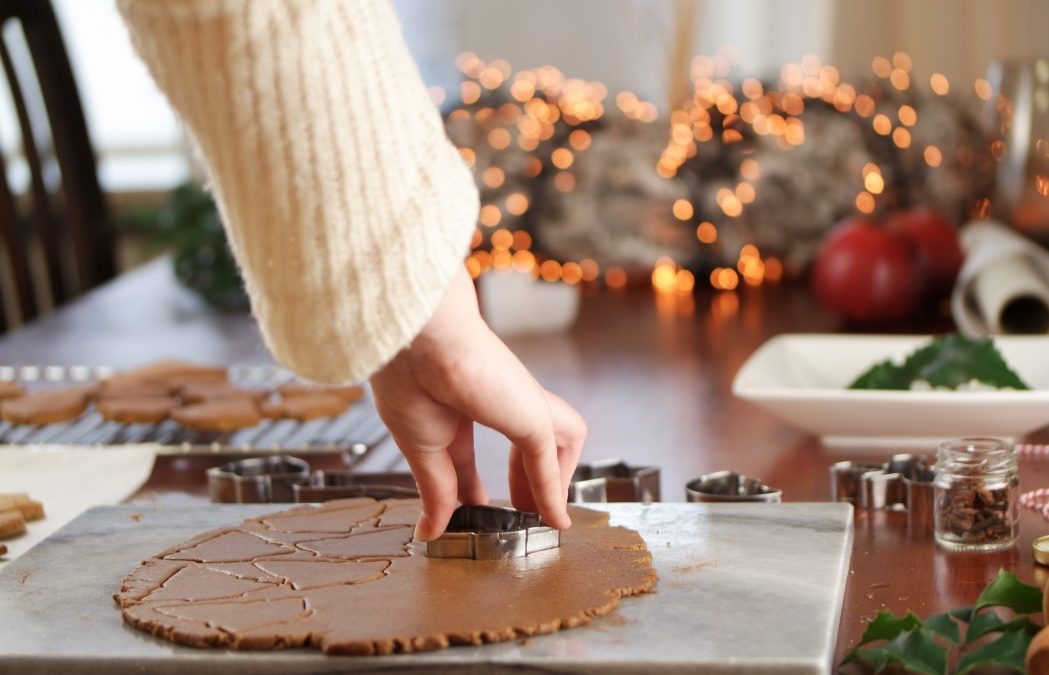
(55, 239)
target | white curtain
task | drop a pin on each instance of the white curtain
(626, 43)
(958, 38)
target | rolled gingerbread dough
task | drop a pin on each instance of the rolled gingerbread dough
(346, 578)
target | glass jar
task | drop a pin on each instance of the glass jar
(975, 495)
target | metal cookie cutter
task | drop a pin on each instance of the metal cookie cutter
(846, 480)
(884, 489)
(919, 492)
(612, 480)
(493, 533)
(327, 485)
(257, 480)
(730, 486)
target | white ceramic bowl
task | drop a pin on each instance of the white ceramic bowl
(803, 378)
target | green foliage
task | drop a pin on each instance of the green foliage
(1007, 651)
(926, 646)
(947, 361)
(887, 625)
(190, 227)
(1008, 591)
(943, 625)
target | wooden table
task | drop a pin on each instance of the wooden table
(652, 376)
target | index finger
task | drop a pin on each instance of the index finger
(499, 393)
(538, 455)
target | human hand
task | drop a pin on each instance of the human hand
(457, 372)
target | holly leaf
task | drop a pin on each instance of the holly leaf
(887, 626)
(1008, 591)
(1007, 651)
(989, 622)
(944, 626)
(884, 375)
(915, 649)
(960, 359)
(947, 361)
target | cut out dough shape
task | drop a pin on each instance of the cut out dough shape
(328, 520)
(199, 583)
(375, 544)
(306, 574)
(232, 546)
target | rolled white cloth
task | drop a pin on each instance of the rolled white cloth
(1003, 287)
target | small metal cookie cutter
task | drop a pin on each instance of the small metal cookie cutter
(257, 480)
(878, 487)
(846, 480)
(493, 533)
(613, 480)
(326, 485)
(920, 492)
(730, 486)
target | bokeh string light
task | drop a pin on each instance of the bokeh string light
(538, 124)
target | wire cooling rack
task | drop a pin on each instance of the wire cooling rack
(356, 431)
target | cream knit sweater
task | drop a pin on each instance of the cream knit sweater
(347, 208)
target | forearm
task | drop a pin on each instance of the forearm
(346, 207)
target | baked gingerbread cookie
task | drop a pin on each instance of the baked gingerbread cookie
(10, 390)
(12, 524)
(19, 501)
(346, 577)
(221, 415)
(212, 390)
(112, 389)
(137, 410)
(305, 407)
(348, 393)
(171, 372)
(46, 407)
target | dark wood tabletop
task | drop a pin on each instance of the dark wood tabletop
(651, 374)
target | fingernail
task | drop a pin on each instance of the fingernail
(420, 529)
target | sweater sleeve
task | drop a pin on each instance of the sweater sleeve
(346, 207)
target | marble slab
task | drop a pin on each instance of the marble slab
(744, 588)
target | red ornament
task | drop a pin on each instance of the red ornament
(866, 273)
(936, 248)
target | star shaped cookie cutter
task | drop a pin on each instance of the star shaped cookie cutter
(613, 480)
(493, 533)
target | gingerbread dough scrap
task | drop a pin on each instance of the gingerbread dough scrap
(372, 590)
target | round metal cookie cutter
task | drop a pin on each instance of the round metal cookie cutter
(493, 533)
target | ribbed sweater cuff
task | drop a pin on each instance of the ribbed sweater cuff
(347, 208)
